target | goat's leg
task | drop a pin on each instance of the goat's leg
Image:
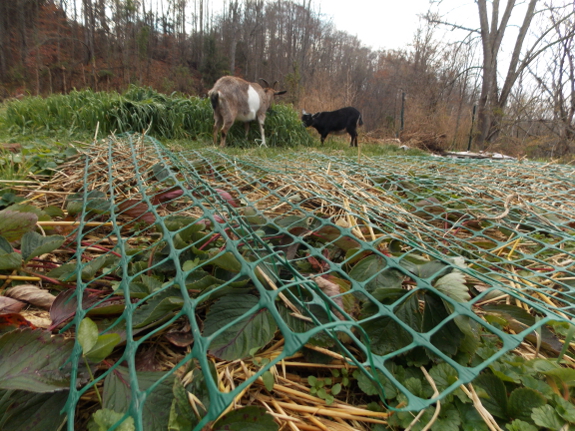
(225, 130)
(353, 134)
(215, 135)
(217, 125)
(261, 123)
(247, 129)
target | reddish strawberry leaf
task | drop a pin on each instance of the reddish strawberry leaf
(167, 195)
(12, 321)
(319, 266)
(10, 305)
(333, 233)
(64, 307)
(180, 338)
(227, 197)
(147, 360)
(137, 210)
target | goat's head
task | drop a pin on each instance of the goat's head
(270, 89)
(306, 118)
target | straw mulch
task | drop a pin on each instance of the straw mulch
(348, 199)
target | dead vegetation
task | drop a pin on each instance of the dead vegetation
(513, 223)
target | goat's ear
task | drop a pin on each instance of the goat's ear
(278, 93)
(303, 112)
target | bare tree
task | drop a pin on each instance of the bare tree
(491, 100)
(564, 79)
(494, 94)
(557, 81)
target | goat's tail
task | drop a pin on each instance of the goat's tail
(214, 98)
(360, 120)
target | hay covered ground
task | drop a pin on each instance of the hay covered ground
(512, 222)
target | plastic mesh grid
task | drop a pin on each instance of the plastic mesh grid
(512, 223)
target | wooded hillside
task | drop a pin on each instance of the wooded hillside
(50, 46)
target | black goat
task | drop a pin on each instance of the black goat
(337, 122)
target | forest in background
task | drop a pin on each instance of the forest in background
(55, 46)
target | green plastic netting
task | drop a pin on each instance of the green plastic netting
(394, 235)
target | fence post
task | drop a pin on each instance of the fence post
(402, 113)
(471, 130)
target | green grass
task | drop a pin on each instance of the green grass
(336, 146)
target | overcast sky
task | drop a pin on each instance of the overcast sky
(384, 24)
(391, 24)
(381, 24)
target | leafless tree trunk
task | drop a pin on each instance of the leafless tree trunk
(558, 79)
(564, 82)
(90, 29)
(492, 102)
(4, 41)
(234, 17)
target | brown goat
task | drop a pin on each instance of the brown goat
(235, 99)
